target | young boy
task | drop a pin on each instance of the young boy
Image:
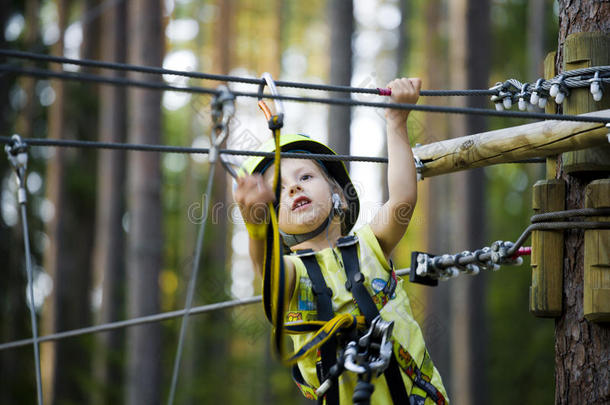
(318, 207)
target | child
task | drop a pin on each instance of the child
(318, 207)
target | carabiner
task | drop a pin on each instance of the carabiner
(223, 109)
(275, 121)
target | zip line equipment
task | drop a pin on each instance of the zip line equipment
(227, 78)
(541, 224)
(531, 95)
(156, 85)
(368, 353)
(17, 153)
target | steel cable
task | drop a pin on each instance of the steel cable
(82, 77)
(223, 78)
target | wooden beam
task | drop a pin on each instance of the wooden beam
(507, 145)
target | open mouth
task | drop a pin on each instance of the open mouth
(300, 203)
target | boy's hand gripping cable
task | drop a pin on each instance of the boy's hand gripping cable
(275, 290)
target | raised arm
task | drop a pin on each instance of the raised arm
(392, 220)
(252, 195)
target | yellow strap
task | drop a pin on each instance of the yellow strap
(257, 231)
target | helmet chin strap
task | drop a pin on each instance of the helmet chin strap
(294, 239)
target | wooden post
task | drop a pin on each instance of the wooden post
(550, 108)
(547, 252)
(596, 291)
(586, 49)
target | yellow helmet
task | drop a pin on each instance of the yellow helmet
(335, 168)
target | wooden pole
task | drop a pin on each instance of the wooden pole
(507, 145)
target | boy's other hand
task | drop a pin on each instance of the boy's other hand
(405, 91)
(252, 195)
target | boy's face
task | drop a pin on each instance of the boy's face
(305, 199)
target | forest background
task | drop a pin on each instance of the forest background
(113, 233)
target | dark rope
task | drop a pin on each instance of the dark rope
(331, 101)
(43, 142)
(131, 322)
(223, 78)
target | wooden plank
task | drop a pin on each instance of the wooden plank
(596, 288)
(547, 252)
(581, 50)
(540, 139)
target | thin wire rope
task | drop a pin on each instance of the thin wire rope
(28, 266)
(81, 77)
(131, 322)
(192, 282)
(44, 142)
(224, 78)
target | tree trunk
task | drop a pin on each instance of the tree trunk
(582, 347)
(436, 324)
(16, 383)
(108, 265)
(469, 70)
(535, 38)
(211, 345)
(145, 244)
(341, 20)
(74, 209)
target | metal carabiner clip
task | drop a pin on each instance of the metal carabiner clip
(275, 121)
(223, 109)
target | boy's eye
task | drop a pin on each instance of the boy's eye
(305, 177)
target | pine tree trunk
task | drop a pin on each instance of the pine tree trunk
(468, 327)
(145, 242)
(341, 20)
(582, 348)
(16, 383)
(436, 323)
(74, 228)
(109, 255)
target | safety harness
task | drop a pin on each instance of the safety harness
(400, 357)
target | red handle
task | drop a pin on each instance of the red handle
(384, 92)
(523, 251)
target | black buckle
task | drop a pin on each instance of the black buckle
(358, 278)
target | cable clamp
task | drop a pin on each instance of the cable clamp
(596, 87)
(504, 97)
(559, 90)
(499, 254)
(538, 96)
(419, 167)
(17, 153)
(523, 102)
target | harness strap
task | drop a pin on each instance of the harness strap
(355, 284)
(323, 295)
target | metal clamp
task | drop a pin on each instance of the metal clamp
(559, 90)
(419, 167)
(373, 352)
(17, 153)
(223, 109)
(596, 87)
